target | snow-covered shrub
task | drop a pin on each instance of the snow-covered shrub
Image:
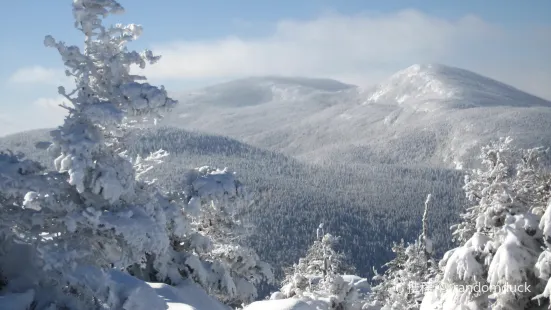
(497, 264)
(211, 252)
(543, 264)
(487, 188)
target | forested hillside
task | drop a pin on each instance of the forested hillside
(369, 205)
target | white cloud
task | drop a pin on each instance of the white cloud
(47, 112)
(39, 75)
(41, 113)
(364, 49)
(52, 104)
(51, 108)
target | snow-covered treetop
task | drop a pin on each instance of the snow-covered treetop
(105, 97)
(102, 70)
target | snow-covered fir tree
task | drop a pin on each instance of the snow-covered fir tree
(486, 188)
(96, 217)
(319, 275)
(501, 236)
(322, 257)
(406, 277)
(212, 254)
(92, 211)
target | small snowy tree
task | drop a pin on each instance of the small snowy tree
(532, 183)
(321, 259)
(512, 266)
(406, 276)
(319, 275)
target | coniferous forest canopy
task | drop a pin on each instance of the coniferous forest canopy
(274, 193)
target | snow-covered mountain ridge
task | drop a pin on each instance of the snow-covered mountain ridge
(428, 114)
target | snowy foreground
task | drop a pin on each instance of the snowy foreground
(142, 295)
(310, 301)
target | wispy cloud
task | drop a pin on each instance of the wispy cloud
(362, 49)
(365, 48)
(51, 111)
(39, 75)
(42, 113)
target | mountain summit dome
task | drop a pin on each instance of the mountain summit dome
(430, 86)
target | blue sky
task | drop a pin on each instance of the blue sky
(206, 41)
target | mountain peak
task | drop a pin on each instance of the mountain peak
(433, 86)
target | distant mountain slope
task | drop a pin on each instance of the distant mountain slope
(247, 107)
(425, 114)
(25, 142)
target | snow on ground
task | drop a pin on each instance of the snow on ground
(159, 296)
(187, 296)
(285, 304)
(140, 295)
(361, 284)
(18, 301)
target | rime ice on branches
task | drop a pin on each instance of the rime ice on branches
(106, 97)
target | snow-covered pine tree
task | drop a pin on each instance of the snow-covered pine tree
(402, 284)
(381, 292)
(468, 265)
(16, 268)
(319, 275)
(494, 267)
(486, 188)
(93, 212)
(532, 183)
(213, 253)
(321, 258)
(97, 214)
